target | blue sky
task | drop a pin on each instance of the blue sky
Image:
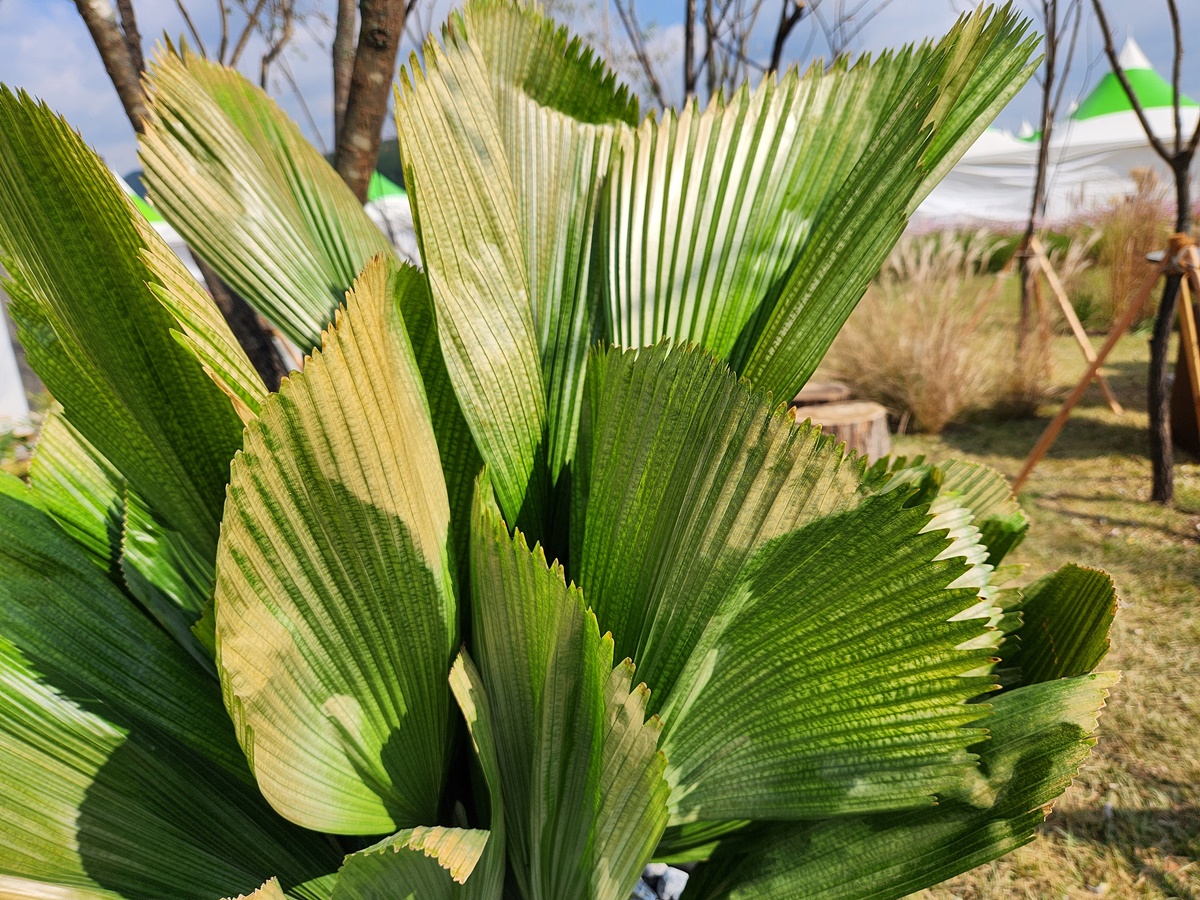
(45, 49)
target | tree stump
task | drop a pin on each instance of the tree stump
(860, 424)
(818, 392)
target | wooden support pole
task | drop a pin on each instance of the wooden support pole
(1046, 441)
(1068, 311)
(1187, 329)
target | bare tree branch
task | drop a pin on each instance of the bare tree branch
(111, 41)
(742, 58)
(1115, 62)
(847, 26)
(278, 41)
(133, 40)
(187, 18)
(418, 21)
(224, 45)
(628, 16)
(243, 39)
(343, 61)
(791, 12)
(1162, 452)
(1176, 65)
(1075, 8)
(710, 40)
(286, 69)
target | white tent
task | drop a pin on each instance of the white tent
(14, 407)
(1092, 154)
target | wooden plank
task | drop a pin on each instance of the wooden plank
(1050, 435)
(1068, 311)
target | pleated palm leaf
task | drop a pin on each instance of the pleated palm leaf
(299, 644)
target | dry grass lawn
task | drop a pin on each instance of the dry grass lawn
(1130, 825)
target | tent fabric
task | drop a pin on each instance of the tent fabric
(14, 406)
(1109, 95)
(381, 186)
(1091, 159)
(1150, 88)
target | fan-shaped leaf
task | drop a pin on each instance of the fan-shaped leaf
(984, 491)
(83, 634)
(95, 332)
(559, 110)
(265, 209)
(581, 776)
(426, 863)
(682, 474)
(335, 613)
(1066, 618)
(475, 265)
(1038, 738)
(93, 503)
(835, 679)
(204, 331)
(432, 863)
(707, 210)
(924, 104)
(95, 807)
(121, 769)
(269, 891)
(81, 490)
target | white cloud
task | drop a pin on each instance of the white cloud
(46, 50)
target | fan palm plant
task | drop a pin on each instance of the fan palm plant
(299, 644)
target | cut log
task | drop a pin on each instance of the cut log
(860, 424)
(816, 392)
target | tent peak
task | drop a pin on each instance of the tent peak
(1132, 57)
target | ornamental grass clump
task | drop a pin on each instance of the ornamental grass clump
(920, 342)
(525, 579)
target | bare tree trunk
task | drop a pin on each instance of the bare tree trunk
(689, 49)
(244, 323)
(277, 43)
(101, 21)
(343, 62)
(1162, 451)
(380, 31)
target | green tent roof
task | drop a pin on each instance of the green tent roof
(1150, 88)
(151, 214)
(382, 186)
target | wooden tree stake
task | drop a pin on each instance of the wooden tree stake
(1068, 311)
(1046, 441)
(1187, 326)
